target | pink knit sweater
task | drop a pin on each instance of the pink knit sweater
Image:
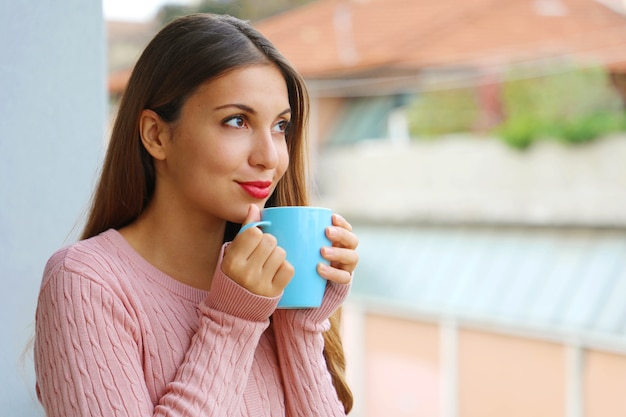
(117, 337)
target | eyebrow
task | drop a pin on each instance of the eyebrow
(248, 109)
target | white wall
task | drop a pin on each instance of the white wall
(478, 180)
(52, 116)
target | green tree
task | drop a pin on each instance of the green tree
(571, 104)
(244, 9)
(439, 112)
(574, 105)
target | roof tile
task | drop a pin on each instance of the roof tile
(334, 38)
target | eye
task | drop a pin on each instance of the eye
(281, 126)
(237, 121)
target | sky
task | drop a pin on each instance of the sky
(137, 11)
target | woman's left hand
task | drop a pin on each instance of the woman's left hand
(342, 255)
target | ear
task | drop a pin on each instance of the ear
(154, 133)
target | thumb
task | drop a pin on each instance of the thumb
(254, 214)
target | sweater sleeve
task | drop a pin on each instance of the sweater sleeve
(309, 390)
(88, 352)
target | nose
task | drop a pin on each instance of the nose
(264, 150)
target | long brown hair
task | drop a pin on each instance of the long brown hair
(186, 53)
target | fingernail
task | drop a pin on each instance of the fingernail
(332, 231)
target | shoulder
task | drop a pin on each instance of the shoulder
(83, 279)
(93, 258)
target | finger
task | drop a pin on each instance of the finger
(283, 275)
(252, 272)
(252, 238)
(341, 258)
(341, 237)
(246, 242)
(339, 221)
(239, 251)
(254, 214)
(339, 276)
(263, 250)
(274, 259)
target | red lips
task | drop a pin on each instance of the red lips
(257, 189)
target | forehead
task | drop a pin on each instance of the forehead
(245, 84)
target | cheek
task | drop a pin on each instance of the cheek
(283, 160)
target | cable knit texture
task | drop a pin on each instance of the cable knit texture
(117, 337)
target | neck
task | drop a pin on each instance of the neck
(183, 248)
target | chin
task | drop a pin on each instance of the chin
(236, 219)
(239, 215)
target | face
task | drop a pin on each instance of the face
(228, 147)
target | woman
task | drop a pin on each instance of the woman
(162, 309)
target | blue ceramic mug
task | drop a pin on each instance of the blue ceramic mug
(301, 232)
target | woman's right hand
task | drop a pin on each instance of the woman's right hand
(256, 262)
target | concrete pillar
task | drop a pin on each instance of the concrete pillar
(52, 123)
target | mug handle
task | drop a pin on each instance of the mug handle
(255, 224)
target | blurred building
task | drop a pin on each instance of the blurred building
(491, 281)
(363, 57)
(125, 42)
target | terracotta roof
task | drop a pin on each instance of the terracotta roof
(331, 39)
(335, 38)
(118, 81)
(125, 41)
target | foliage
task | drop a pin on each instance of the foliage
(574, 105)
(243, 9)
(441, 112)
(591, 126)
